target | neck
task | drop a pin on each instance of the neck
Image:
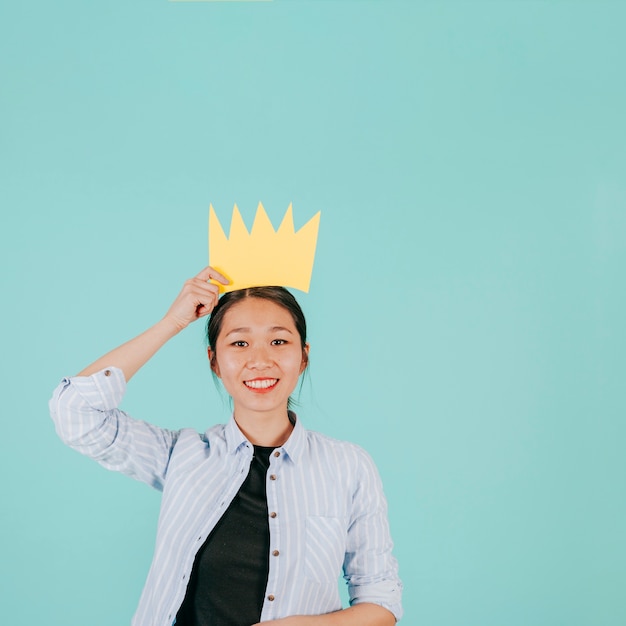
(268, 431)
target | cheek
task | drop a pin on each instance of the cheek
(229, 379)
(226, 366)
(229, 368)
(293, 365)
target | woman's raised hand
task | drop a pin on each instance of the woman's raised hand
(197, 298)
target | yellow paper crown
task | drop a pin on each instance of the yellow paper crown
(263, 256)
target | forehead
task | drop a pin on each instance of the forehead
(257, 314)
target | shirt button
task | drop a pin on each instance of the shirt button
(275, 553)
(277, 453)
(273, 477)
(273, 514)
(270, 598)
(107, 372)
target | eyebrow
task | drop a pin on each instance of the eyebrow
(246, 329)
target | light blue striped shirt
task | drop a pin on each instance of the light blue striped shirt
(325, 503)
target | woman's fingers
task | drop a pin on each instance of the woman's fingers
(206, 296)
(202, 292)
(209, 273)
(197, 298)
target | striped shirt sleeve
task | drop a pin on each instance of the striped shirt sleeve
(370, 568)
(86, 417)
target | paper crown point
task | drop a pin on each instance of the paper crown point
(263, 256)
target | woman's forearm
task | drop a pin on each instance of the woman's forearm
(133, 354)
(358, 615)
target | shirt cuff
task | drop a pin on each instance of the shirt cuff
(387, 593)
(102, 391)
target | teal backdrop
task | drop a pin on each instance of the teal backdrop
(467, 305)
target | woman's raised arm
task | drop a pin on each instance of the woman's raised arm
(197, 299)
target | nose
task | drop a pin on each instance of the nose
(259, 357)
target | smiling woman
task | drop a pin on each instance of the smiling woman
(259, 516)
(264, 342)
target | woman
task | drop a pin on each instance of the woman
(258, 516)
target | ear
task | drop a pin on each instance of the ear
(215, 368)
(305, 357)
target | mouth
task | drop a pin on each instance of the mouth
(261, 385)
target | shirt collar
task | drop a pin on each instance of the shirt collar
(234, 437)
(294, 447)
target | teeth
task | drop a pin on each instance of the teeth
(261, 384)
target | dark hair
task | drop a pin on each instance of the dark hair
(277, 295)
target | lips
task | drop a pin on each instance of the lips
(261, 384)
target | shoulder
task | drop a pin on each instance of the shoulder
(342, 453)
(190, 439)
(194, 449)
(211, 436)
(344, 467)
(325, 441)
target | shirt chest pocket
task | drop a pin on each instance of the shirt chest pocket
(325, 548)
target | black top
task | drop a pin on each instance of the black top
(229, 575)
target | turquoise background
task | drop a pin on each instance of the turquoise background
(467, 305)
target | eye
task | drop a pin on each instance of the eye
(239, 344)
(279, 342)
